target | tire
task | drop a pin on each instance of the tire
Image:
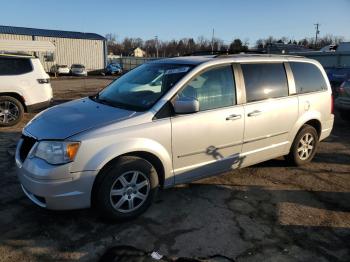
(300, 153)
(11, 111)
(116, 179)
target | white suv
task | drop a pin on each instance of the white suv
(24, 87)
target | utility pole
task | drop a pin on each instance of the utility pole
(212, 42)
(317, 32)
(156, 37)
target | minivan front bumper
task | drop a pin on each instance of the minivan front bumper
(54, 187)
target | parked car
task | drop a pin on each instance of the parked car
(342, 102)
(337, 75)
(60, 70)
(115, 149)
(24, 87)
(113, 68)
(78, 70)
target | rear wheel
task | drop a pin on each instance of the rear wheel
(126, 188)
(304, 146)
(11, 111)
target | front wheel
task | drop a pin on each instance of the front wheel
(11, 111)
(304, 146)
(126, 188)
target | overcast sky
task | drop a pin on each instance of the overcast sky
(246, 19)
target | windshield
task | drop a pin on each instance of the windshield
(143, 86)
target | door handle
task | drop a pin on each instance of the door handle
(255, 113)
(233, 117)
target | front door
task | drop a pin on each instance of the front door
(209, 141)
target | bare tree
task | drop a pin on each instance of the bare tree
(201, 44)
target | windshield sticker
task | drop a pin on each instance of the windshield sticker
(177, 70)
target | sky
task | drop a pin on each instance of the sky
(175, 19)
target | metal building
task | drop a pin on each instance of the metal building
(88, 49)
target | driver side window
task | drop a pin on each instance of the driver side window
(214, 88)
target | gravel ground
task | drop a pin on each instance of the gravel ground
(267, 212)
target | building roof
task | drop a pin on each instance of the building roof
(13, 30)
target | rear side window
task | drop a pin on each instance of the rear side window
(15, 66)
(263, 81)
(307, 77)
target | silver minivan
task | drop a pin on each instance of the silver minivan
(173, 121)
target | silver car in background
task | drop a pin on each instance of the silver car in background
(78, 70)
(203, 116)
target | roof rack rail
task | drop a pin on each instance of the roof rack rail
(217, 54)
(222, 53)
(248, 52)
(258, 54)
(205, 53)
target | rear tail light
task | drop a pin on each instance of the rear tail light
(44, 81)
(332, 104)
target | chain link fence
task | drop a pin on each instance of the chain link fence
(130, 62)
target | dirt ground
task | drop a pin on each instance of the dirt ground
(267, 212)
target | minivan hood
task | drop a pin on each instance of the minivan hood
(68, 119)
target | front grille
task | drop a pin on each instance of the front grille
(27, 144)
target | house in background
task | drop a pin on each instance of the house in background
(138, 52)
(88, 49)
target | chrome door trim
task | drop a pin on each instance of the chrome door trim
(205, 163)
(264, 137)
(212, 148)
(264, 148)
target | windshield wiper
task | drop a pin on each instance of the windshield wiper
(97, 99)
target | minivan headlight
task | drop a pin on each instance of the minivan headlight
(57, 152)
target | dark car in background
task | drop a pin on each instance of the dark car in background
(336, 76)
(342, 102)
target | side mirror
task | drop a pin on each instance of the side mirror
(186, 105)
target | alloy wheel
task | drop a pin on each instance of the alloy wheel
(306, 146)
(9, 112)
(129, 191)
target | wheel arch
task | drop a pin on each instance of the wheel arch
(315, 123)
(16, 96)
(312, 118)
(148, 156)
